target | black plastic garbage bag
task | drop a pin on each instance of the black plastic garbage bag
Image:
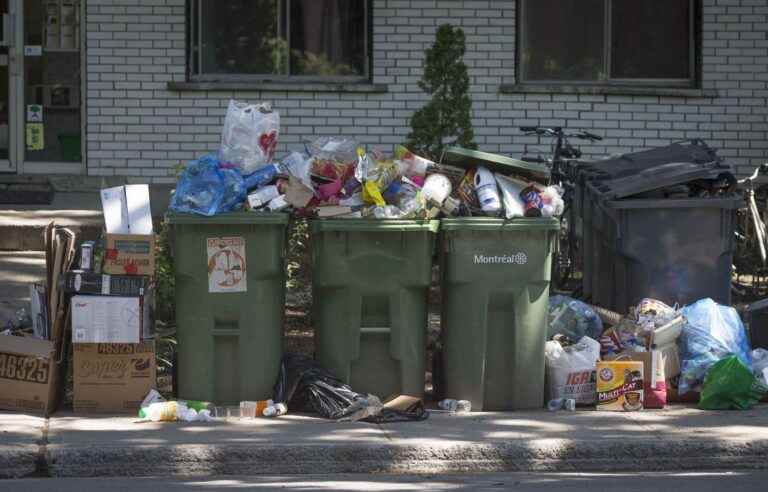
(301, 380)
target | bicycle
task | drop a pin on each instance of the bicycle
(563, 152)
(752, 236)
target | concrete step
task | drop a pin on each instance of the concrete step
(76, 205)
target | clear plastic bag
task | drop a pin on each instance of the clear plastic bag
(206, 189)
(573, 318)
(711, 333)
(249, 136)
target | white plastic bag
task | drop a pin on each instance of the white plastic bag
(249, 136)
(510, 193)
(571, 370)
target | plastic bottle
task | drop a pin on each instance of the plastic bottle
(437, 188)
(458, 406)
(276, 410)
(165, 411)
(487, 191)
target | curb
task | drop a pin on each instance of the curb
(18, 461)
(525, 456)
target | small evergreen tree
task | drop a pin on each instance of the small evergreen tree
(447, 115)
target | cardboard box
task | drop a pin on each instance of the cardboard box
(29, 374)
(619, 385)
(129, 254)
(107, 319)
(112, 377)
(82, 282)
(127, 209)
(654, 381)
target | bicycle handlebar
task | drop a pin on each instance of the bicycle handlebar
(558, 131)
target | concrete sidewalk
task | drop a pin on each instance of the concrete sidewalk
(680, 438)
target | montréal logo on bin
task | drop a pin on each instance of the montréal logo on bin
(519, 258)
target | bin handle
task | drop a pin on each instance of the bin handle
(365, 330)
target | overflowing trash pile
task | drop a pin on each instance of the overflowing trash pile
(335, 177)
(655, 354)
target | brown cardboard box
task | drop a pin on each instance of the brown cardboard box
(129, 254)
(113, 377)
(29, 374)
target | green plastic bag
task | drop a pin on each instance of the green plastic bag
(729, 384)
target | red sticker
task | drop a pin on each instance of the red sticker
(131, 269)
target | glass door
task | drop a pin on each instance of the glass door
(52, 83)
(7, 42)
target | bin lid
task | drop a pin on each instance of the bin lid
(695, 151)
(259, 218)
(372, 225)
(494, 224)
(658, 177)
(468, 158)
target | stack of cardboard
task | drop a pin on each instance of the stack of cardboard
(31, 366)
(114, 354)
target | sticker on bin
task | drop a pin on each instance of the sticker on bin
(226, 264)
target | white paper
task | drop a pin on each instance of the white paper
(227, 270)
(139, 210)
(98, 319)
(33, 50)
(127, 209)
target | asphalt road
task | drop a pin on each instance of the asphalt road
(524, 482)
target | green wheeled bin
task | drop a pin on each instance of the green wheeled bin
(230, 297)
(370, 288)
(495, 287)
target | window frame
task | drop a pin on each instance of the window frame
(690, 82)
(194, 31)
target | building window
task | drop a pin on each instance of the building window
(608, 41)
(276, 39)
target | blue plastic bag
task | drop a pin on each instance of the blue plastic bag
(206, 189)
(711, 333)
(573, 318)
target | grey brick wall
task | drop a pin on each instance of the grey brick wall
(137, 127)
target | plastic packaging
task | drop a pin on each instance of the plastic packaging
(573, 318)
(711, 333)
(301, 379)
(759, 361)
(571, 370)
(487, 191)
(262, 196)
(298, 165)
(249, 136)
(206, 189)
(437, 188)
(261, 177)
(339, 149)
(554, 206)
(510, 191)
(729, 384)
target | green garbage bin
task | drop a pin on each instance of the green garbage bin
(495, 276)
(230, 296)
(495, 287)
(371, 281)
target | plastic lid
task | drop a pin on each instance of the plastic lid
(467, 158)
(658, 177)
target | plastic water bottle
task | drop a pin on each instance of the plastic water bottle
(487, 191)
(276, 410)
(455, 406)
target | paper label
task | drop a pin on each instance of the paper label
(226, 264)
(33, 50)
(35, 140)
(105, 285)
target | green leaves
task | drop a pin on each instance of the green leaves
(447, 116)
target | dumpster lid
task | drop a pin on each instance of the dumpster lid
(659, 177)
(467, 158)
(493, 224)
(258, 218)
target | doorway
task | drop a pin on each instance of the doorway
(40, 87)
